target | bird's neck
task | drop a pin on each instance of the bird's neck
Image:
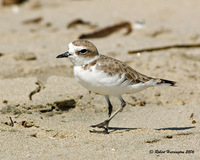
(80, 61)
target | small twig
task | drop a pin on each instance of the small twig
(164, 48)
(104, 32)
(40, 86)
(11, 122)
(76, 22)
(18, 115)
(32, 21)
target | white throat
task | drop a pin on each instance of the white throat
(79, 60)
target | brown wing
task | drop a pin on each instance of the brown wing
(112, 66)
(135, 76)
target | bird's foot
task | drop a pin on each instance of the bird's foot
(103, 124)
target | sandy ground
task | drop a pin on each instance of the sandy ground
(158, 123)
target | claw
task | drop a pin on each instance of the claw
(102, 125)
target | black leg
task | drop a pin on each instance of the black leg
(123, 103)
(106, 122)
(110, 107)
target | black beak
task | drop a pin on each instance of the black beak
(66, 54)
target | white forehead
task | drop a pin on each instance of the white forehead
(73, 48)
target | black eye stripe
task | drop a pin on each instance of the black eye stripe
(83, 51)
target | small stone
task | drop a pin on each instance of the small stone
(34, 135)
(152, 141)
(65, 105)
(157, 94)
(17, 112)
(29, 112)
(191, 116)
(159, 103)
(193, 122)
(50, 114)
(134, 98)
(48, 24)
(168, 136)
(5, 101)
(141, 103)
(182, 102)
(62, 136)
(27, 124)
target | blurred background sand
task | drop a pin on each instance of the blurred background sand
(46, 114)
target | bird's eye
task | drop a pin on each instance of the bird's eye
(83, 51)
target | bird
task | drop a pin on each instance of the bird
(107, 76)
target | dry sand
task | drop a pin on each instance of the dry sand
(157, 120)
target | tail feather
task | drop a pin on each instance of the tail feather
(166, 82)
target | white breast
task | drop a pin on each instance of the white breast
(99, 82)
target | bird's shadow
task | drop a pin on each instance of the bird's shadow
(175, 128)
(124, 129)
(113, 129)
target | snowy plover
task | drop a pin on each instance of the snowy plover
(106, 75)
